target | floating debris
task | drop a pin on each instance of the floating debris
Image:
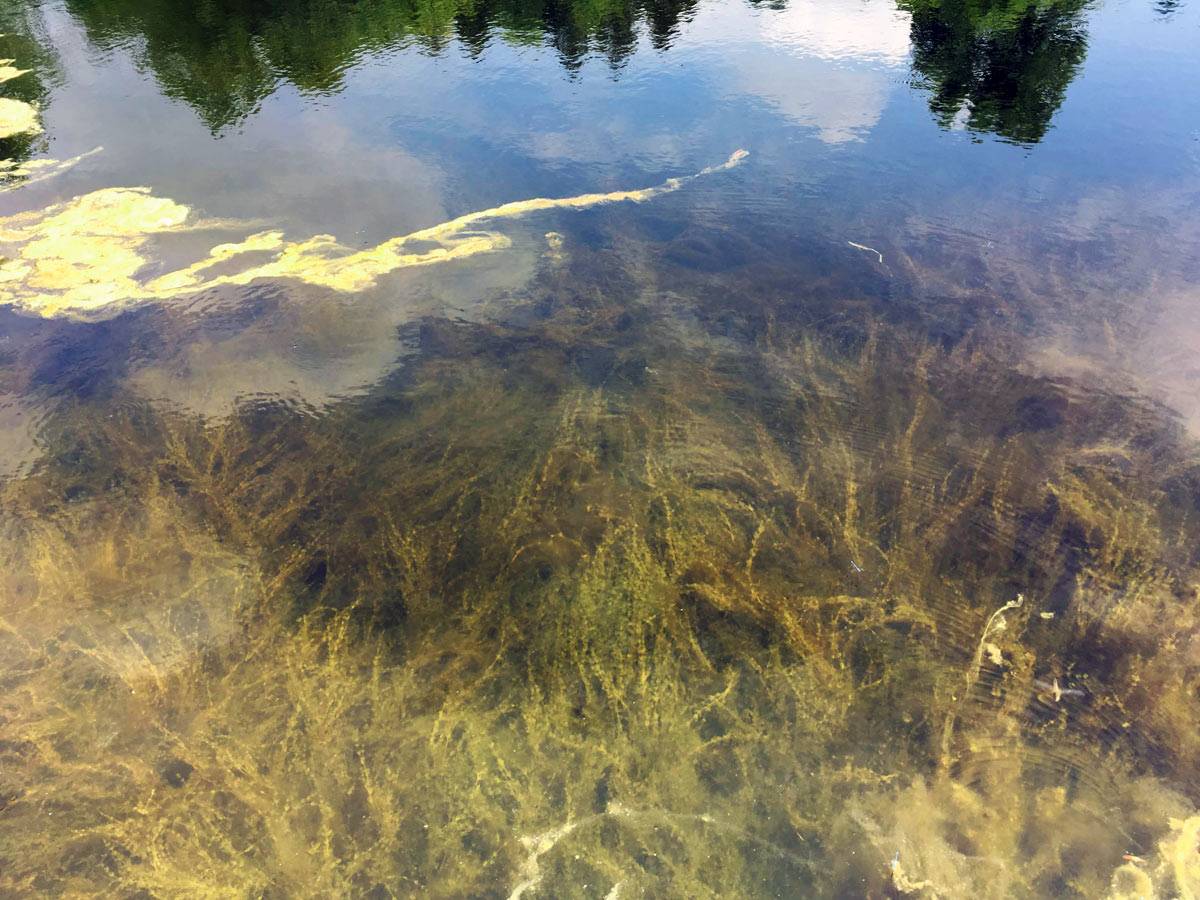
(1053, 687)
(994, 655)
(868, 249)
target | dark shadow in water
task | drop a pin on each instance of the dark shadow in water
(999, 66)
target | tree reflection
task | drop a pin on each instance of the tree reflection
(223, 57)
(1000, 66)
(22, 42)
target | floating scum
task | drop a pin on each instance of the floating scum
(8, 71)
(81, 257)
(16, 116)
(34, 170)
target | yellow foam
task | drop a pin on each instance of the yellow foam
(8, 72)
(82, 257)
(17, 117)
(31, 171)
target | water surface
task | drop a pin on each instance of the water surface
(601, 450)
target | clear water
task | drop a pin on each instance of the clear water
(823, 525)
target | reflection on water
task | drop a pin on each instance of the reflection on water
(853, 51)
(822, 526)
(1001, 67)
(224, 58)
(22, 91)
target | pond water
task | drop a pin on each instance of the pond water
(599, 449)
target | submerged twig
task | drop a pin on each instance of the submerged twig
(868, 249)
(872, 250)
(977, 663)
(976, 666)
(1058, 691)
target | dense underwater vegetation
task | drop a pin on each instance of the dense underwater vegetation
(824, 525)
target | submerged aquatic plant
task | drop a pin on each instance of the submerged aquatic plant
(537, 618)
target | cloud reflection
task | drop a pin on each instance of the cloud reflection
(826, 66)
